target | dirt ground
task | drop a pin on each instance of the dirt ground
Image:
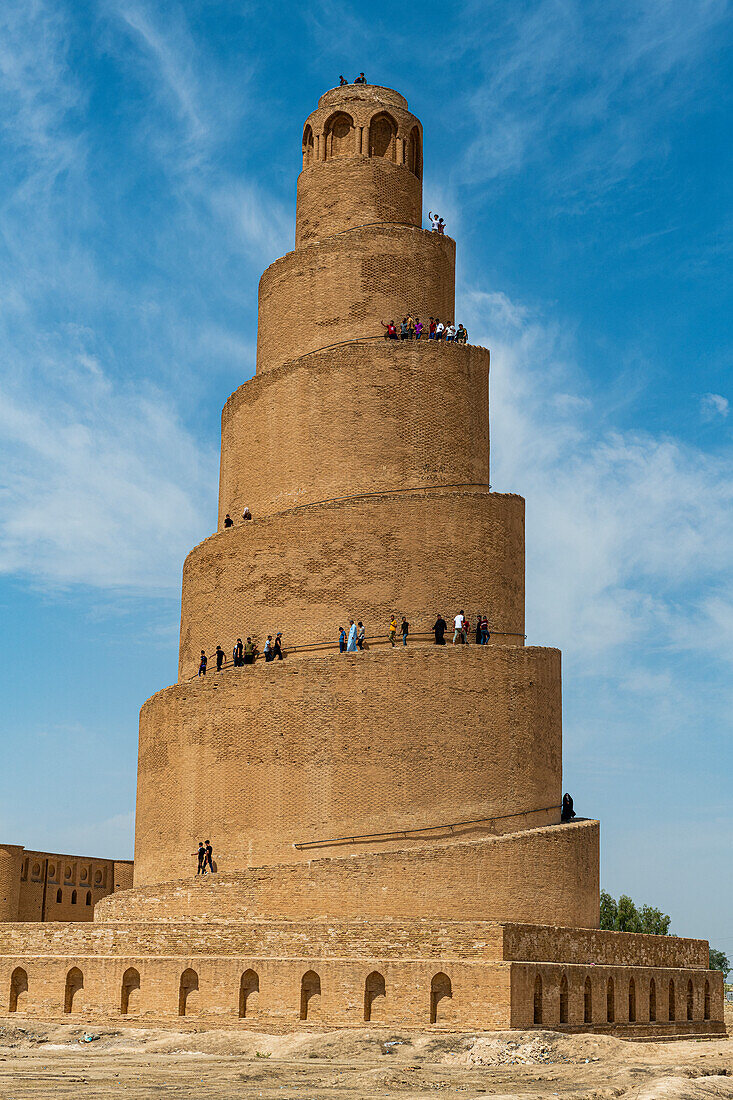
(80, 1060)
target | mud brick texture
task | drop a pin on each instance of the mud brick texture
(416, 397)
(40, 886)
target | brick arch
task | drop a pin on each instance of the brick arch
(610, 1002)
(383, 136)
(652, 1001)
(130, 991)
(632, 1001)
(671, 1002)
(308, 146)
(588, 1001)
(414, 152)
(339, 135)
(249, 989)
(18, 989)
(374, 996)
(188, 989)
(564, 998)
(441, 989)
(690, 1000)
(74, 985)
(537, 1000)
(706, 1005)
(310, 994)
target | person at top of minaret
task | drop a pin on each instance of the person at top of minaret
(405, 329)
(228, 521)
(450, 333)
(390, 330)
(342, 81)
(418, 328)
(439, 328)
(361, 79)
(567, 813)
(461, 335)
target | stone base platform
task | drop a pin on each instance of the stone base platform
(414, 973)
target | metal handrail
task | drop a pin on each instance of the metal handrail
(403, 833)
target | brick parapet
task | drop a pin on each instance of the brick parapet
(341, 287)
(418, 397)
(307, 571)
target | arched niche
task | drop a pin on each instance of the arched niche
(310, 994)
(441, 990)
(383, 136)
(308, 147)
(72, 990)
(374, 996)
(249, 989)
(339, 136)
(414, 152)
(130, 992)
(18, 989)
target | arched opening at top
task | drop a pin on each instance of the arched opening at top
(440, 990)
(610, 1002)
(564, 999)
(310, 994)
(383, 137)
(672, 1008)
(339, 135)
(74, 985)
(588, 1002)
(18, 989)
(632, 1001)
(690, 1000)
(308, 154)
(130, 993)
(652, 1001)
(188, 992)
(537, 1009)
(374, 996)
(249, 988)
(706, 1010)
(414, 152)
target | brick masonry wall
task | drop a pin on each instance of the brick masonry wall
(301, 750)
(348, 192)
(306, 572)
(521, 876)
(586, 1002)
(343, 286)
(574, 945)
(36, 886)
(426, 404)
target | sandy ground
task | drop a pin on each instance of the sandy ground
(43, 1060)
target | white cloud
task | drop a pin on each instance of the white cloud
(713, 405)
(99, 485)
(628, 533)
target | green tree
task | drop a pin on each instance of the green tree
(609, 912)
(624, 916)
(653, 921)
(719, 961)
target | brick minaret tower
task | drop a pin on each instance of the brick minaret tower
(386, 824)
(365, 463)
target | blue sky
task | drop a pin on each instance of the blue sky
(580, 155)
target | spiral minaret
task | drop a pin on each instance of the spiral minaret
(365, 464)
(386, 824)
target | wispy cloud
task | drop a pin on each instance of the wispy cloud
(586, 83)
(628, 532)
(714, 405)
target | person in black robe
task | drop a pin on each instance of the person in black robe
(567, 812)
(439, 630)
